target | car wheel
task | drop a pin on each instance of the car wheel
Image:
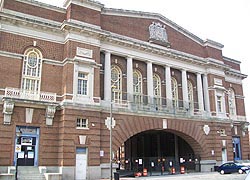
(222, 172)
(240, 171)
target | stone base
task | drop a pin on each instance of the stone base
(207, 165)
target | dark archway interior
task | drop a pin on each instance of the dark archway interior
(155, 148)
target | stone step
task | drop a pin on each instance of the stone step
(29, 173)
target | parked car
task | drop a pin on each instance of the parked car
(231, 167)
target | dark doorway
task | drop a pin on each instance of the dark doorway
(27, 155)
(158, 151)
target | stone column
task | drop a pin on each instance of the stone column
(130, 79)
(184, 89)
(200, 92)
(107, 77)
(169, 95)
(150, 82)
(206, 93)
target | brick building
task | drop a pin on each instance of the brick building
(175, 99)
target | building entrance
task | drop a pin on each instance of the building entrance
(27, 138)
(27, 155)
(158, 152)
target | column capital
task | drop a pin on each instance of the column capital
(149, 62)
(167, 65)
(129, 57)
(107, 51)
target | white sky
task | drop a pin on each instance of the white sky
(224, 21)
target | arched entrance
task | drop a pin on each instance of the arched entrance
(158, 151)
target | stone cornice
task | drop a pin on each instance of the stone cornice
(156, 16)
(95, 5)
(213, 44)
(109, 37)
(43, 5)
(116, 39)
(231, 60)
(236, 73)
(29, 22)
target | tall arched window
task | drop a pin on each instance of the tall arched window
(174, 92)
(157, 89)
(32, 67)
(231, 102)
(190, 94)
(116, 83)
(137, 87)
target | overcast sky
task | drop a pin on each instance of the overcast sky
(224, 21)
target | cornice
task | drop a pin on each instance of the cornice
(29, 22)
(43, 5)
(116, 39)
(231, 60)
(94, 5)
(163, 19)
(235, 73)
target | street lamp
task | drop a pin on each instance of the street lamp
(110, 138)
(110, 133)
(18, 134)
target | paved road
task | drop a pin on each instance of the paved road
(193, 176)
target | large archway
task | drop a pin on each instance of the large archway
(182, 140)
(158, 151)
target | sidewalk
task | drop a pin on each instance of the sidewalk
(191, 176)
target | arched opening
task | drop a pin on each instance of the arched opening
(158, 151)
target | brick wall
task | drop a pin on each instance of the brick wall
(34, 10)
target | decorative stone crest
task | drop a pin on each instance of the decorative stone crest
(8, 107)
(206, 129)
(50, 113)
(158, 33)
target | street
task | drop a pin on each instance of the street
(203, 176)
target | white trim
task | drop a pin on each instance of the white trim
(156, 59)
(164, 20)
(213, 44)
(94, 5)
(233, 79)
(1, 5)
(221, 114)
(231, 60)
(11, 55)
(81, 23)
(88, 69)
(43, 5)
(28, 16)
(82, 39)
(33, 33)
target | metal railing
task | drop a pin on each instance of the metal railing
(30, 95)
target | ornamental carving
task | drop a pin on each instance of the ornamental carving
(158, 33)
(8, 107)
(50, 112)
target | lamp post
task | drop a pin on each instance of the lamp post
(110, 137)
(110, 132)
(17, 150)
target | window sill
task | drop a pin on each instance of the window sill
(82, 128)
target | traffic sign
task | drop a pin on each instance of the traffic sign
(18, 148)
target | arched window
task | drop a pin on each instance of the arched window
(137, 87)
(116, 83)
(231, 102)
(174, 92)
(32, 67)
(157, 89)
(190, 94)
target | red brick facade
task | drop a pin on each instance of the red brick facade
(76, 39)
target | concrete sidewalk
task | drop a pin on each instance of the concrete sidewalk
(191, 176)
